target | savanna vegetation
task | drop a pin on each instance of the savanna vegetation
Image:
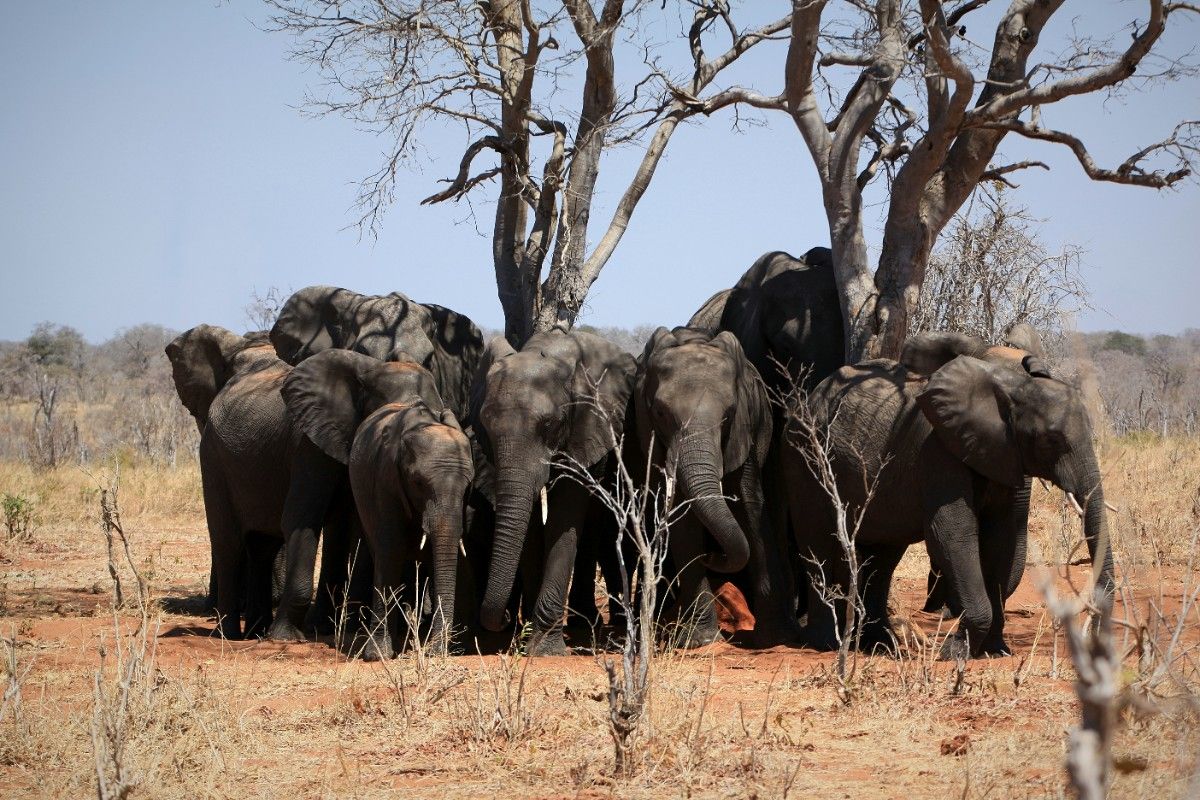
(116, 684)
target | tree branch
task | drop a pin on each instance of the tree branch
(462, 183)
(1128, 172)
(998, 173)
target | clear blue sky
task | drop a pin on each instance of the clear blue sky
(155, 168)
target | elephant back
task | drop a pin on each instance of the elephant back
(787, 314)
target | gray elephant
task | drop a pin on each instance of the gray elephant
(320, 318)
(562, 395)
(1021, 336)
(410, 470)
(260, 475)
(704, 407)
(952, 432)
(786, 313)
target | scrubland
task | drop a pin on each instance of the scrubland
(148, 703)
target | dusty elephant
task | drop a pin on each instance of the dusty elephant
(562, 395)
(952, 432)
(443, 341)
(260, 476)
(706, 410)
(410, 470)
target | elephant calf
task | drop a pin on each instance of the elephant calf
(952, 433)
(410, 470)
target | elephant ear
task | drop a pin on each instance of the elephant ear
(662, 337)
(331, 393)
(751, 423)
(201, 364)
(968, 404)
(309, 322)
(496, 350)
(1025, 337)
(600, 387)
(448, 418)
(926, 353)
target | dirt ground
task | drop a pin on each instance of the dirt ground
(179, 713)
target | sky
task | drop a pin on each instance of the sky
(156, 167)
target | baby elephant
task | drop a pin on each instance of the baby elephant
(410, 469)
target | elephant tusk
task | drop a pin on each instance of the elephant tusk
(545, 505)
(462, 548)
(1078, 509)
(421, 546)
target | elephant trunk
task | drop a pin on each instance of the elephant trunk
(443, 524)
(1021, 533)
(699, 469)
(516, 488)
(1080, 476)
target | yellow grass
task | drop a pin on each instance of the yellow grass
(214, 719)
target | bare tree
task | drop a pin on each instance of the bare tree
(929, 109)
(992, 272)
(500, 71)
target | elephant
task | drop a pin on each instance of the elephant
(787, 315)
(950, 434)
(410, 471)
(1021, 336)
(703, 408)
(445, 342)
(563, 395)
(260, 475)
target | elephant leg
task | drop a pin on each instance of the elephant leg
(771, 586)
(695, 617)
(824, 566)
(210, 600)
(953, 539)
(568, 510)
(335, 554)
(1003, 534)
(314, 479)
(610, 565)
(228, 554)
(877, 565)
(262, 551)
(581, 602)
(389, 579)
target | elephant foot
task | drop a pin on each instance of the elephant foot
(772, 635)
(878, 637)
(229, 629)
(696, 635)
(955, 648)
(548, 643)
(820, 637)
(284, 630)
(377, 649)
(995, 646)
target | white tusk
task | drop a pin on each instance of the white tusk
(421, 546)
(1078, 509)
(462, 548)
(545, 505)
(1111, 507)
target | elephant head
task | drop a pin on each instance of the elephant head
(562, 395)
(203, 359)
(1007, 423)
(706, 407)
(330, 394)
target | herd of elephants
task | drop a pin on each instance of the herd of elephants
(388, 431)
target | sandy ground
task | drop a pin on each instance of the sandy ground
(209, 718)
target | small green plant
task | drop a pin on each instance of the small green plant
(18, 517)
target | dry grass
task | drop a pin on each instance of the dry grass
(213, 719)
